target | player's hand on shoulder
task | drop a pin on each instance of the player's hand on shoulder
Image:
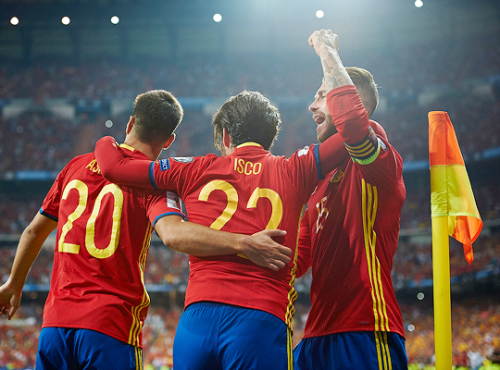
(262, 250)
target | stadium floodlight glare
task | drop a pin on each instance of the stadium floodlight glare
(108, 123)
(65, 20)
(217, 17)
(419, 3)
(14, 21)
(320, 14)
(411, 327)
(420, 296)
(115, 19)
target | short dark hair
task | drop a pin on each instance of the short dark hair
(157, 114)
(366, 86)
(248, 116)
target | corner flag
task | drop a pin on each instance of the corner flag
(451, 192)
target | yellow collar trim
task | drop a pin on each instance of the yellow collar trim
(250, 143)
(127, 147)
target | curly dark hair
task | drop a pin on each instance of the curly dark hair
(248, 116)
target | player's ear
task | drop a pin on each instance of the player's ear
(130, 124)
(226, 138)
(169, 141)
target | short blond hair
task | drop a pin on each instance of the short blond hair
(366, 86)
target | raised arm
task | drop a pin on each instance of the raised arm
(201, 241)
(30, 243)
(117, 168)
(326, 45)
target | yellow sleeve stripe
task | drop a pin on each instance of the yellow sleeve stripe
(292, 293)
(136, 327)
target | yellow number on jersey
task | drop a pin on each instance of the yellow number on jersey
(232, 203)
(83, 191)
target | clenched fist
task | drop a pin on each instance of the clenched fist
(322, 39)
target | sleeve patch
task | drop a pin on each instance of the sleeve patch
(303, 151)
(164, 165)
(173, 201)
(183, 159)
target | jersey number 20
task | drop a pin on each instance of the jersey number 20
(83, 192)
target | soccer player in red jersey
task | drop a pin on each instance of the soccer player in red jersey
(350, 231)
(237, 315)
(97, 302)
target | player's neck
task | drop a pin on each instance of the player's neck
(146, 149)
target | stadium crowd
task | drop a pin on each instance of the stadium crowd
(447, 80)
(38, 140)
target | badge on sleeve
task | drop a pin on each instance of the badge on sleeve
(164, 165)
(303, 151)
(183, 159)
(174, 201)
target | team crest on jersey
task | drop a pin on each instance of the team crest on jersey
(337, 176)
(183, 159)
(303, 151)
(164, 165)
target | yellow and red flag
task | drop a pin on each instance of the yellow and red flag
(451, 192)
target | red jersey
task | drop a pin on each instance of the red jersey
(245, 192)
(350, 233)
(103, 235)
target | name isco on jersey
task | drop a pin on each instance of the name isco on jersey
(247, 167)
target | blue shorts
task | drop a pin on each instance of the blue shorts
(82, 349)
(365, 350)
(213, 336)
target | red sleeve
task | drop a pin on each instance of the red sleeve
(331, 153)
(365, 140)
(348, 113)
(304, 254)
(50, 206)
(119, 169)
(163, 203)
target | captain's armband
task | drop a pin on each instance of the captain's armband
(367, 150)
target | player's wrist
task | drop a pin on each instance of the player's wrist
(242, 243)
(16, 286)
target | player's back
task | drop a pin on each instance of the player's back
(246, 192)
(103, 236)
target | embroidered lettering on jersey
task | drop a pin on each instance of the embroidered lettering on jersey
(183, 159)
(92, 166)
(303, 151)
(164, 165)
(247, 167)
